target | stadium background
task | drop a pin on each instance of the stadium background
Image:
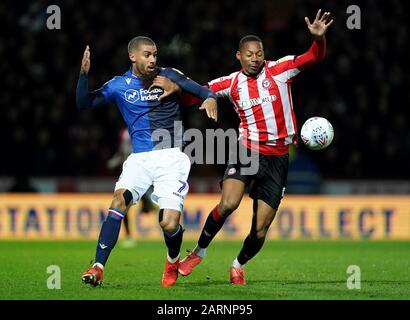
(50, 147)
(361, 87)
(55, 184)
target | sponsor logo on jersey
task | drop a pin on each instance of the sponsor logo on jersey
(132, 95)
(128, 80)
(256, 101)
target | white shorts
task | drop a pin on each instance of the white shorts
(167, 170)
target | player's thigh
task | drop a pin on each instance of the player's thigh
(135, 177)
(171, 179)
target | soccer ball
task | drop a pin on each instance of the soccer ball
(317, 133)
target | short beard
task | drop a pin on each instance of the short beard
(148, 79)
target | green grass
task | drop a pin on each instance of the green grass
(282, 270)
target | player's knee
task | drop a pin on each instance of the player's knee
(227, 206)
(261, 232)
(118, 200)
(169, 225)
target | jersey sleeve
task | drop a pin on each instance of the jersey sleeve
(221, 86)
(107, 90)
(86, 99)
(288, 67)
(189, 85)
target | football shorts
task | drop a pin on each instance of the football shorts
(167, 170)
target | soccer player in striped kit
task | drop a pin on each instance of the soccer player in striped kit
(151, 115)
(261, 96)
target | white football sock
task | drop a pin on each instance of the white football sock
(172, 260)
(236, 264)
(99, 265)
(200, 251)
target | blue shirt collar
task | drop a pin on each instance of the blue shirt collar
(130, 74)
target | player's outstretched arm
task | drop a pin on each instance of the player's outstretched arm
(170, 87)
(84, 98)
(203, 93)
(317, 51)
(319, 26)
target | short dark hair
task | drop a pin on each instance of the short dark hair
(248, 38)
(137, 41)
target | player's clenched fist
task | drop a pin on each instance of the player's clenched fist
(85, 63)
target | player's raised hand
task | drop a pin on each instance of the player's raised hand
(86, 62)
(319, 26)
(211, 108)
(167, 85)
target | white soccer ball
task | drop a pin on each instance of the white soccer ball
(317, 133)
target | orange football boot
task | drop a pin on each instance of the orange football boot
(189, 263)
(93, 276)
(237, 276)
(170, 275)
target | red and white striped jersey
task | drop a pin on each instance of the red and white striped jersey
(264, 102)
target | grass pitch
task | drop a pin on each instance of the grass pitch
(282, 270)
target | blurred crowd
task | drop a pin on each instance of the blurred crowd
(362, 87)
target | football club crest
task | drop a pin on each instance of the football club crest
(266, 83)
(231, 171)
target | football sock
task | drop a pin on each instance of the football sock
(108, 235)
(99, 265)
(213, 224)
(127, 227)
(236, 264)
(173, 241)
(251, 247)
(200, 251)
(172, 260)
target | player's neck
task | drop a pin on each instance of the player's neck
(135, 71)
(256, 74)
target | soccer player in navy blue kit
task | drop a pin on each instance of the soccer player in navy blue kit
(153, 118)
